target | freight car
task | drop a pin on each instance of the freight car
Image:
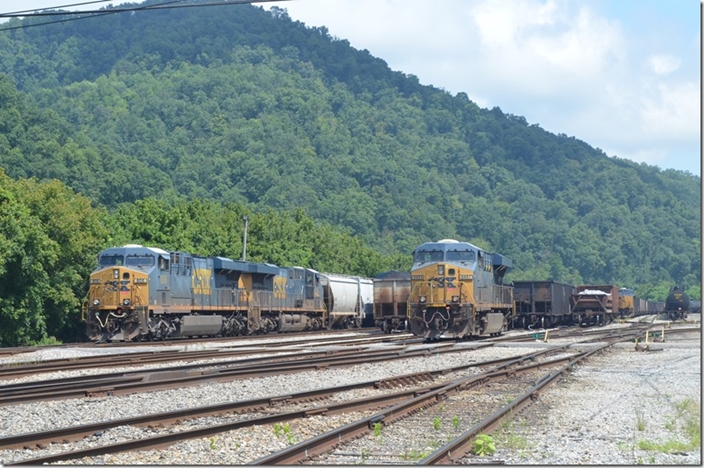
(391, 291)
(139, 293)
(542, 303)
(677, 304)
(594, 305)
(457, 291)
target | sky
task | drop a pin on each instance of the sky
(621, 75)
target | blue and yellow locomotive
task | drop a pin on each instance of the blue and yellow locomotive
(148, 293)
(457, 291)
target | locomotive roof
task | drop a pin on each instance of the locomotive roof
(445, 245)
(133, 249)
(222, 263)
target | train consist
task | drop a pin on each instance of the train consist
(139, 293)
(454, 290)
(457, 291)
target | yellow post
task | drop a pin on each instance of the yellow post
(647, 333)
(545, 339)
(662, 337)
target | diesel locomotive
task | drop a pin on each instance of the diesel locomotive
(457, 291)
(139, 293)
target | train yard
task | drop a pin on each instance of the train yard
(560, 396)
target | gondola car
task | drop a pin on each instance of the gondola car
(542, 303)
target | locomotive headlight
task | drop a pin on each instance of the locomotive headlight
(422, 299)
(441, 269)
(96, 302)
(126, 302)
(455, 298)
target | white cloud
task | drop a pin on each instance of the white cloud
(671, 111)
(663, 64)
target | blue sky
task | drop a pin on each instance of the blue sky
(622, 75)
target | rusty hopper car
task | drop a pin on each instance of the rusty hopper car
(391, 291)
(457, 291)
(542, 303)
(594, 305)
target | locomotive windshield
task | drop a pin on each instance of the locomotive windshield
(140, 260)
(464, 256)
(424, 256)
(110, 260)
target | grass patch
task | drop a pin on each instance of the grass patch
(640, 420)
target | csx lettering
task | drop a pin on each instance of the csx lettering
(443, 282)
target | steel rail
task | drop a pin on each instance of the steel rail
(462, 444)
(324, 442)
(133, 382)
(396, 399)
(28, 440)
(11, 370)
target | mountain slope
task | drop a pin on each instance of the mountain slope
(237, 104)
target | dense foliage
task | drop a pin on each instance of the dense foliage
(179, 122)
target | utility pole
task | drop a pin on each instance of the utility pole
(244, 239)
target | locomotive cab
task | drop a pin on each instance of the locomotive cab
(118, 294)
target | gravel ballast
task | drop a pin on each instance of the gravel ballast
(620, 407)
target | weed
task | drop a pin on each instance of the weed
(456, 422)
(640, 420)
(363, 457)
(436, 424)
(651, 460)
(278, 429)
(413, 455)
(484, 445)
(665, 447)
(623, 446)
(507, 436)
(670, 424)
(684, 406)
(377, 429)
(212, 443)
(442, 408)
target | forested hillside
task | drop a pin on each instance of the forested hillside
(234, 104)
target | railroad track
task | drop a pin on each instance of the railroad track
(386, 398)
(18, 370)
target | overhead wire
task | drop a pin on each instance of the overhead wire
(12, 13)
(102, 12)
